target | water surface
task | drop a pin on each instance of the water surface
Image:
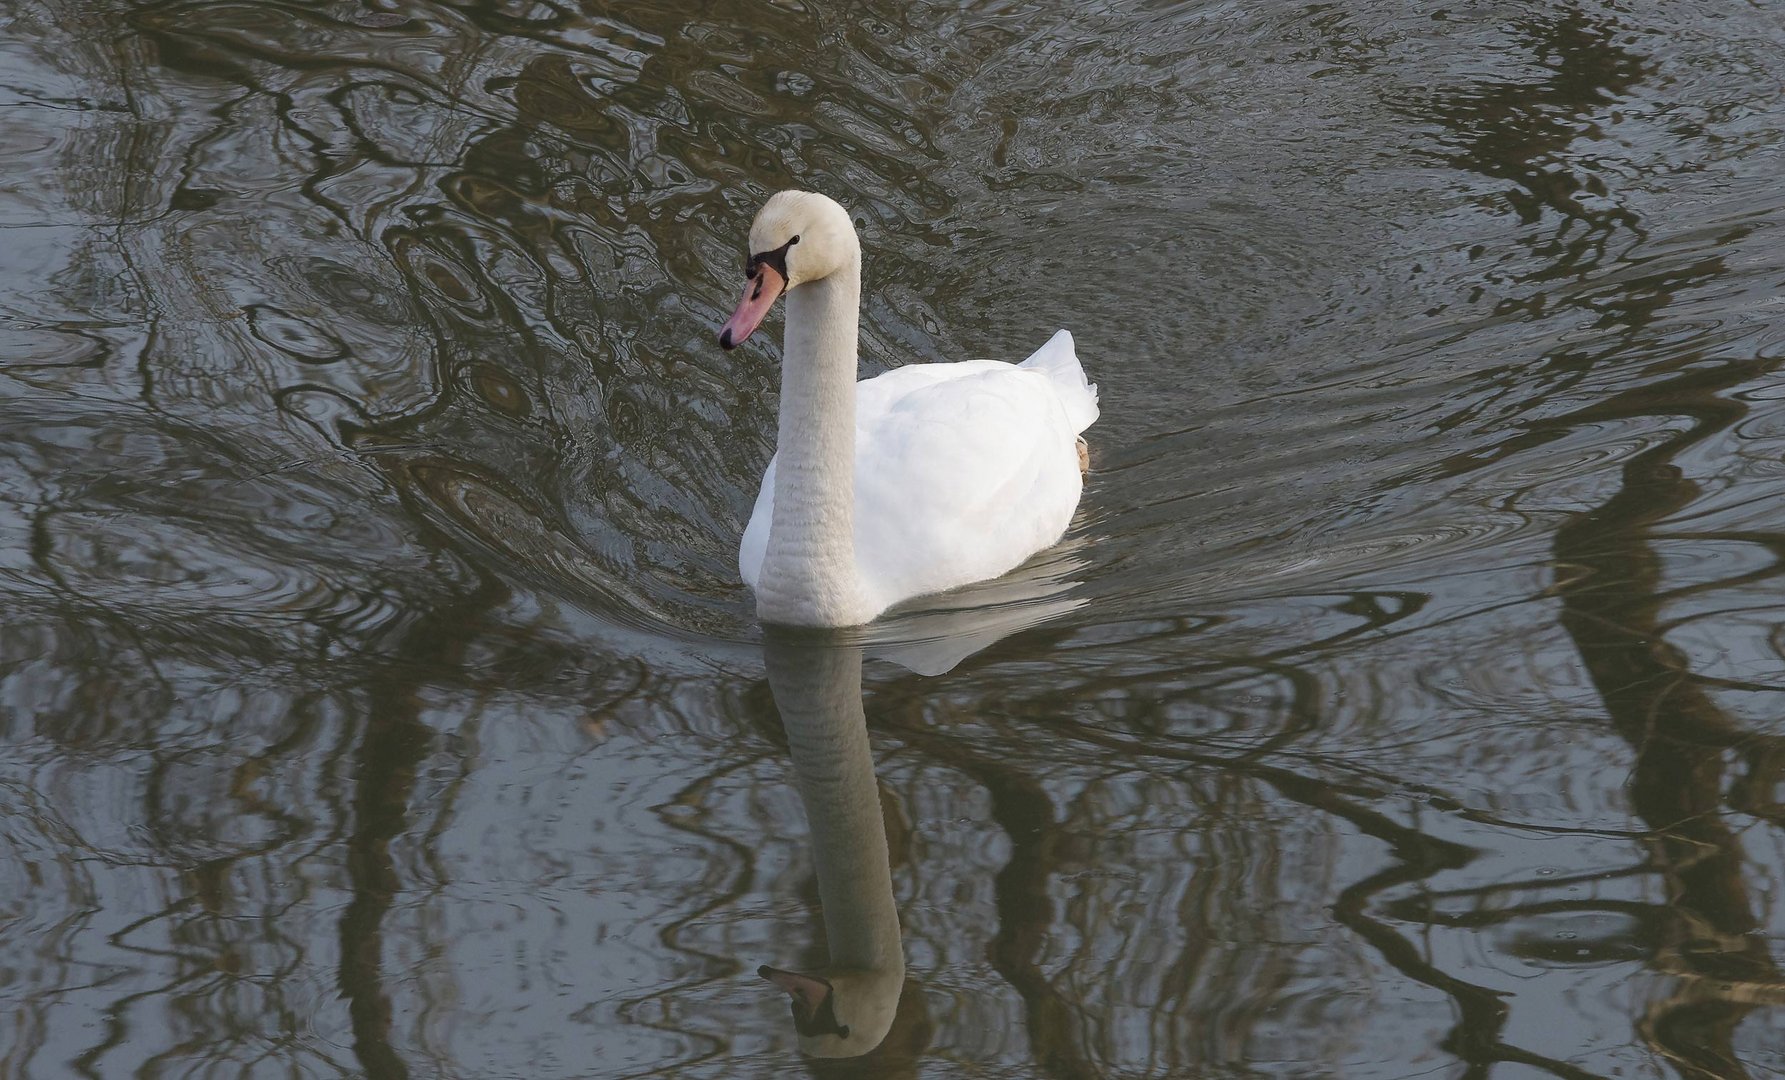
(376, 690)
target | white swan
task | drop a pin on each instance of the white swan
(926, 478)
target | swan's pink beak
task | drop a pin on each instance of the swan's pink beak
(765, 285)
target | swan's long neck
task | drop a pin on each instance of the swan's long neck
(808, 571)
(818, 691)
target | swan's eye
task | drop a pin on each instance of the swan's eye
(795, 240)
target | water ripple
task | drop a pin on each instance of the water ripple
(379, 695)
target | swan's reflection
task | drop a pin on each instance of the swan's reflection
(845, 1008)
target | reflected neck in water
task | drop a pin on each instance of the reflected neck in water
(846, 1008)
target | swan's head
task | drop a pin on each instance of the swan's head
(841, 1013)
(798, 237)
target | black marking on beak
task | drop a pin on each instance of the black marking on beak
(776, 258)
(810, 1017)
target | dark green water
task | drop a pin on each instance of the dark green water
(378, 699)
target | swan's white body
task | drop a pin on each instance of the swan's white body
(961, 472)
(926, 478)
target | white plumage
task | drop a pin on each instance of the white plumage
(962, 471)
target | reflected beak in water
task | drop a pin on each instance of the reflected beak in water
(814, 1010)
(766, 283)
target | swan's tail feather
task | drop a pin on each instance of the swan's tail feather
(1059, 362)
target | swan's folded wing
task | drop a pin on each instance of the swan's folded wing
(960, 475)
(1058, 360)
(901, 408)
(755, 542)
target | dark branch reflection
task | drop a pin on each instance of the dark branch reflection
(1610, 582)
(393, 746)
